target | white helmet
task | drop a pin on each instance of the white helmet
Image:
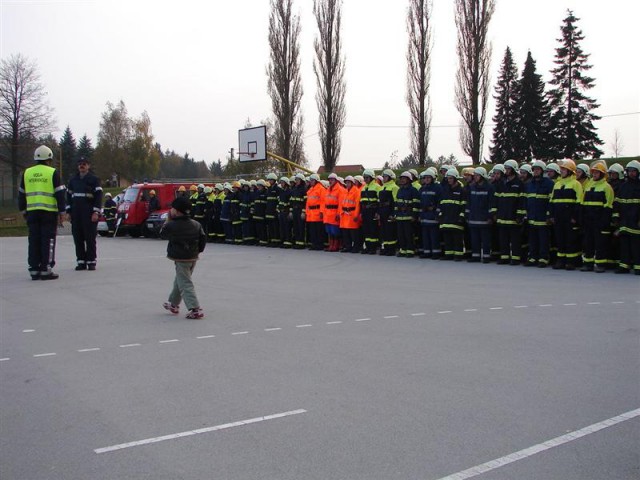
(107, 195)
(406, 175)
(481, 171)
(369, 173)
(42, 153)
(350, 179)
(272, 176)
(452, 172)
(285, 180)
(300, 176)
(525, 167)
(201, 185)
(538, 164)
(333, 176)
(389, 173)
(314, 176)
(511, 164)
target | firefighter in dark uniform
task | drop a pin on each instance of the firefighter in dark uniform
(510, 213)
(406, 207)
(369, 204)
(298, 203)
(430, 196)
(284, 212)
(259, 208)
(110, 211)
(564, 215)
(537, 195)
(84, 199)
(271, 211)
(596, 213)
(41, 200)
(386, 197)
(627, 218)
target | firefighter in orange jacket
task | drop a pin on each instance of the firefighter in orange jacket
(350, 219)
(331, 214)
(313, 212)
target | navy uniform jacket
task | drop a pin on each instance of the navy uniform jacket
(84, 195)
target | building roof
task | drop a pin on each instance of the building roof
(342, 169)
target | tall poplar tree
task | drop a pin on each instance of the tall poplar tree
(329, 68)
(505, 131)
(419, 76)
(574, 135)
(285, 83)
(532, 111)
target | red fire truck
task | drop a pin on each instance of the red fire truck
(133, 215)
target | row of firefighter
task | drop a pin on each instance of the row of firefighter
(535, 214)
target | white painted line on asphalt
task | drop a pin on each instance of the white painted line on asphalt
(570, 304)
(391, 316)
(205, 336)
(471, 310)
(169, 341)
(495, 308)
(88, 350)
(4, 359)
(197, 431)
(541, 447)
(130, 345)
(593, 303)
(617, 302)
(445, 311)
(240, 333)
(546, 305)
(44, 354)
(304, 326)
(521, 306)
(420, 314)
(362, 319)
(272, 329)
(28, 331)
(334, 323)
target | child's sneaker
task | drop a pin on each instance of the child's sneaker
(195, 313)
(175, 309)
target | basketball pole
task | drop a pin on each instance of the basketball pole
(290, 165)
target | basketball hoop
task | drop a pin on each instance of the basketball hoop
(252, 143)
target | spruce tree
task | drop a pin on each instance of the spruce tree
(85, 149)
(532, 111)
(573, 133)
(505, 128)
(68, 151)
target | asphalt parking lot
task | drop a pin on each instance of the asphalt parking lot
(312, 365)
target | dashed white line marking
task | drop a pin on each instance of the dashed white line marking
(541, 447)
(445, 311)
(362, 319)
(521, 306)
(471, 310)
(173, 340)
(239, 333)
(4, 359)
(303, 326)
(197, 431)
(420, 314)
(617, 302)
(272, 329)
(593, 303)
(570, 304)
(495, 308)
(391, 316)
(334, 323)
(127, 345)
(546, 305)
(88, 350)
(44, 354)
(28, 331)
(205, 336)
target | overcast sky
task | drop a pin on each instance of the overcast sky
(198, 67)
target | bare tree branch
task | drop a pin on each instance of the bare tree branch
(472, 78)
(329, 68)
(284, 80)
(419, 76)
(24, 111)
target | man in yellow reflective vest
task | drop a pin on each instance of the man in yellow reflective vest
(41, 199)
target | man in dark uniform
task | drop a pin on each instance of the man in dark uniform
(110, 211)
(84, 198)
(41, 201)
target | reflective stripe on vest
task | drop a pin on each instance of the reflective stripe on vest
(39, 189)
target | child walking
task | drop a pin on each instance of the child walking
(186, 240)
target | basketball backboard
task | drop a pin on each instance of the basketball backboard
(252, 144)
